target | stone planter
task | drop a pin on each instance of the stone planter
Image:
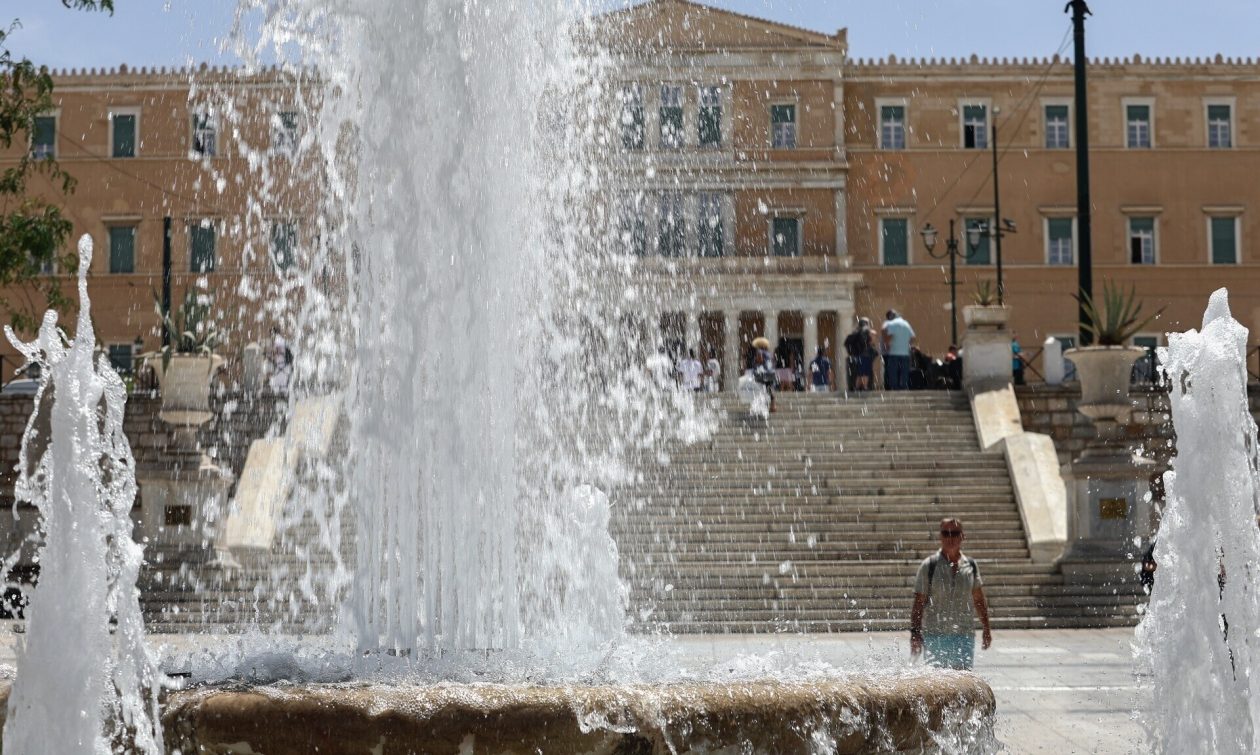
(1105, 373)
(185, 385)
(976, 316)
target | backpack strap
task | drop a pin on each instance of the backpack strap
(932, 560)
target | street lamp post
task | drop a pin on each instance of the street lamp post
(953, 253)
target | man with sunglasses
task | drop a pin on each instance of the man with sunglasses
(948, 595)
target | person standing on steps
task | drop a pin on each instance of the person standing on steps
(948, 596)
(820, 372)
(898, 337)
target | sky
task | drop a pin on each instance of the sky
(179, 32)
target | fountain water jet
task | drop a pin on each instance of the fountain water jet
(1205, 696)
(84, 674)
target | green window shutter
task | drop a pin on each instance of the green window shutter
(122, 249)
(981, 255)
(44, 138)
(1139, 112)
(787, 239)
(710, 126)
(782, 114)
(1218, 112)
(1224, 241)
(201, 256)
(895, 232)
(124, 136)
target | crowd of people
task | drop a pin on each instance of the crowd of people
(892, 348)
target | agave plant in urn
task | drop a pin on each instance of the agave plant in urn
(1105, 368)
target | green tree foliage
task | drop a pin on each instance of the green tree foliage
(33, 230)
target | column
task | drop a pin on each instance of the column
(771, 330)
(811, 342)
(844, 324)
(731, 366)
(691, 331)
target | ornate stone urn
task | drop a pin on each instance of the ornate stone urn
(988, 316)
(185, 385)
(1105, 372)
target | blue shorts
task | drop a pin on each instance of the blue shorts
(953, 651)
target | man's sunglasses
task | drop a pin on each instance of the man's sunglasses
(951, 533)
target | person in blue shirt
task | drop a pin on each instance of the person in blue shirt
(1017, 362)
(820, 372)
(898, 337)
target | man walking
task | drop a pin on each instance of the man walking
(898, 336)
(948, 596)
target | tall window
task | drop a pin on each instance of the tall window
(124, 135)
(981, 255)
(710, 116)
(892, 127)
(44, 137)
(975, 126)
(122, 249)
(283, 244)
(1138, 126)
(632, 116)
(631, 225)
(783, 126)
(1057, 127)
(672, 233)
(201, 243)
(1224, 240)
(709, 225)
(1219, 126)
(205, 138)
(284, 132)
(785, 237)
(1059, 241)
(895, 241)
(1142, 241)
(671, 116)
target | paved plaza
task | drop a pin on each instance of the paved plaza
(1058, 690)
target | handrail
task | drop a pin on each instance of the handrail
(1028, 363)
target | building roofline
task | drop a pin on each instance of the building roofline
(839, 40)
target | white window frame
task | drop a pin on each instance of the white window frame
(1232, 104)
(631, 92)
(879, 229)
(723, 114)
(1128, 238)
(963, 104)
(132, 222)
(1149, 102)
(55, 114)
(682, 207)
(1237, 218)
(796, 121)
(1045, 232)
(115, 112)
(681, 136)
(278, 148)
(904, 104)
(720, 198)
(786, 213)
(213, 120)
(1071, 121)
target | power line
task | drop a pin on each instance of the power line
(1063, 45)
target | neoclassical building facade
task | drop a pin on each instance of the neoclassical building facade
(768, 184)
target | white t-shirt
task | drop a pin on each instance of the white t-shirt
(692, 371)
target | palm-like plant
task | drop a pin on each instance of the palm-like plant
(985, 295)
(192, 328)
(1120, 317)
